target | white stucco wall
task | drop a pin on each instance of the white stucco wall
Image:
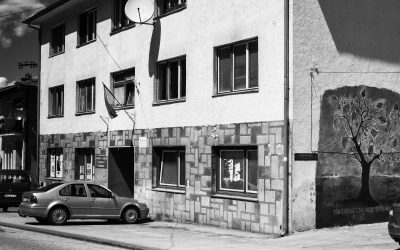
(193, 32)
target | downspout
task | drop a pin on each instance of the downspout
(38, 105)
(286, 133)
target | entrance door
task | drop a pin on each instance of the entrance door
(121, 171)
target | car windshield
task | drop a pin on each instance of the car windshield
(48, 187)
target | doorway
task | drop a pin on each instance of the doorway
(121, 170)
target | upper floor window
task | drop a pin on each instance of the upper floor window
(87, 27)
(165, 6)
(120, 20)
(85, 93)
(171, 79)
(57, 42)
(124, 88)
(237, 66)
(56, 101)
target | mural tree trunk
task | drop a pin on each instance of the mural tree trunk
(368, 133)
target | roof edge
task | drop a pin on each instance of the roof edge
(46, 10)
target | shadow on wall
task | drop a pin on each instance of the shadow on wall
(366, 28)
(154, 48)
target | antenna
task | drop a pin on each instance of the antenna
(140, 11)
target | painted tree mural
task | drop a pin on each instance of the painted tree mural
(368, 132)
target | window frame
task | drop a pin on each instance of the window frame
(70, 188)
(53, 99)
(217, 72)
(124, 83)
(245, 191)
(58, 152)
(158, 159)
(162, 10)
(86, 83)
(87, 23)
(60, 47)
(85, 153)
(181, 77)
(123, 23)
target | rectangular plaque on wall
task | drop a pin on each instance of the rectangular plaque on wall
(101, 161)
(306, 157)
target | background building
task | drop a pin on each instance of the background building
(18, 126)
(204, 87)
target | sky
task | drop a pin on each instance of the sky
(18, 42)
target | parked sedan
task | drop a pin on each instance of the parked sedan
(59, 202)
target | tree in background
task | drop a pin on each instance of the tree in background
(367, 132)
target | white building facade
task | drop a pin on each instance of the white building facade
(202, 140)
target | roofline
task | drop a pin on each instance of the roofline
(45, 11)
(17, 85)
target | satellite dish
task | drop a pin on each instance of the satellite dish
(139, 11)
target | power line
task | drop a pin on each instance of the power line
(16, 13)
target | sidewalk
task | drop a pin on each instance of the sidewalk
(168, 235)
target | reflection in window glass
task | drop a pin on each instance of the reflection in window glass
(232, 170)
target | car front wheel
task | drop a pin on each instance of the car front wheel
(58, 216)
(130, 215)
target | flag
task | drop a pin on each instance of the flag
(109, 100)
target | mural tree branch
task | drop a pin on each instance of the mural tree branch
(367, 131)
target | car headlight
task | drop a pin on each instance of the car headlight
(390, 212)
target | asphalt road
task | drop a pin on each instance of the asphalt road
(16, 239)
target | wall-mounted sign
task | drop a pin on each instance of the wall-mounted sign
(306, 157)
(143, 142)
(101, 161)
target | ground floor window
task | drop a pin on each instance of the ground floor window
(55, 162)
(237, 169)
(171, 167)
(84, 162)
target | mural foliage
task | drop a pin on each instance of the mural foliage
(358, 172)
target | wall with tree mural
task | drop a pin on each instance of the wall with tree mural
(358, 171)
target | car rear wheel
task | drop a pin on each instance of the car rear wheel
(58, 216)
(41, 220)
(5, 209)
(130, 215)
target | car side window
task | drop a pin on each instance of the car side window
(77, 190)
(99, 192)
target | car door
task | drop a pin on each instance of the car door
(102, 202)
(76, 197)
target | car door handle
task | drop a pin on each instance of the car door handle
(67, 199)
(91, 200)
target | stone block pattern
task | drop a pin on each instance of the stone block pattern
(197, 203)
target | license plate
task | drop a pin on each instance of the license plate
(10, 195)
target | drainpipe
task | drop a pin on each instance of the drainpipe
(38, 106)
(286, 133)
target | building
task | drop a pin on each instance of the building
(202, 139)
(18, 126)
(345, 76)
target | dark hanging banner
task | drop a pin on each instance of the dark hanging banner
(306, 157)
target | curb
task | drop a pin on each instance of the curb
(78, 237)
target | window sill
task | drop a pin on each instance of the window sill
(123, 107)
(118, 30)
(173, 11)
(234, 197)
(158, 103)
(236, 92)
(85, 113)
(59, 53)
(169, 190)
(54, 179)
(83, 44)
(55, 116)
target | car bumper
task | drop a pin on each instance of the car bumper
(31, 210)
